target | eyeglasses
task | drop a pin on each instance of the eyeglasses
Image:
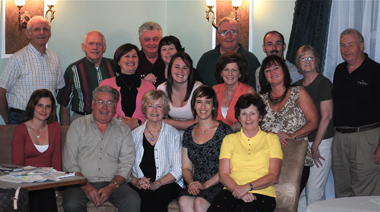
(225, 32)
(304, 59)
(108, 104)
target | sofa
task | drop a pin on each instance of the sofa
(287, 188)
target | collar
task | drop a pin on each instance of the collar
(243, 137)
(240, 49)
(91, 64)
(35, 51)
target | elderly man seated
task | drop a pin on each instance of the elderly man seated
(101, 149)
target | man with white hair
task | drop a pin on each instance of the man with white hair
(33, 67)
(150, 34)
(82, 77)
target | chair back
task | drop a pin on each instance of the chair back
(288, 186)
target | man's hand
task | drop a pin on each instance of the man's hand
(91, 193)
(376, 156)
(105, 193)
(151, 78)
(131, 122)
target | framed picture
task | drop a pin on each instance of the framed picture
(13, 37)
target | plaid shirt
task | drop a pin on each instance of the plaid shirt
(81, 79)
(29, 70)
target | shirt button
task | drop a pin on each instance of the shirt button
(99, 168)
(249, 149)
(250, 144)
(100, 158)
(101, 148)
(249, 153)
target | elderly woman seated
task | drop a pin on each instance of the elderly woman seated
(157, 172)
(249, 162)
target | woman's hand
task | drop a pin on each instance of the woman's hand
(316, 155)
(241, 190)
(144, 183)
(195, 187)
(132, 123)
(249, 197)
(151, 78)
(283, 136)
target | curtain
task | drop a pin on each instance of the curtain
(362, 15)
(310, 26)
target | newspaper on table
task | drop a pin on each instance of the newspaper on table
(30, 174)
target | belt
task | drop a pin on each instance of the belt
(16, 110)
(357, 129)
(81, 113)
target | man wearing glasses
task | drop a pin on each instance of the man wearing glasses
(274, 44)
(228, 37)
(100, 148)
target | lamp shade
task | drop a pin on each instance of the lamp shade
(236, 3)
(20, 2)
(211, 2)
(51, 2)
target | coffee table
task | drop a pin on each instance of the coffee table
(67, 181)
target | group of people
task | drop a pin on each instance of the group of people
(147, 127)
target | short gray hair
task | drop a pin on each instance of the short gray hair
(106, 89)
(228, 19)
(104, 38)
(29, 25)
(149, 26)
(350, 31)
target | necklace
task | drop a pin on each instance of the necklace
(204, 131)
(129, 87)
(229, 97)
(278, 100)
(151, 134)
(38, 131)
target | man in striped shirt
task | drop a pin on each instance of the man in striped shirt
(82, 77)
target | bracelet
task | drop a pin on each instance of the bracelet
(250, 185)
(233, 127)
(160, 182)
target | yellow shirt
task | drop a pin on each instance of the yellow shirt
(249, 157)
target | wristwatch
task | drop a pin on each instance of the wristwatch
(250, 184)
(116, 184)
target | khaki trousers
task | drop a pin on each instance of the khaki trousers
(355, 172)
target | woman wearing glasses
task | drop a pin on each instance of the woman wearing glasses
(319, 88)
(131, 88)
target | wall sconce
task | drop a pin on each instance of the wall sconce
(24, 17)
(211, 3)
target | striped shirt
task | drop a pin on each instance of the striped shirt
(28, 70)
(167, 153)
(81, 79)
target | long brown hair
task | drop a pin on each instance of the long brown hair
(33, 101)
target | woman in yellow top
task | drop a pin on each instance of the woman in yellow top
(249, 162)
